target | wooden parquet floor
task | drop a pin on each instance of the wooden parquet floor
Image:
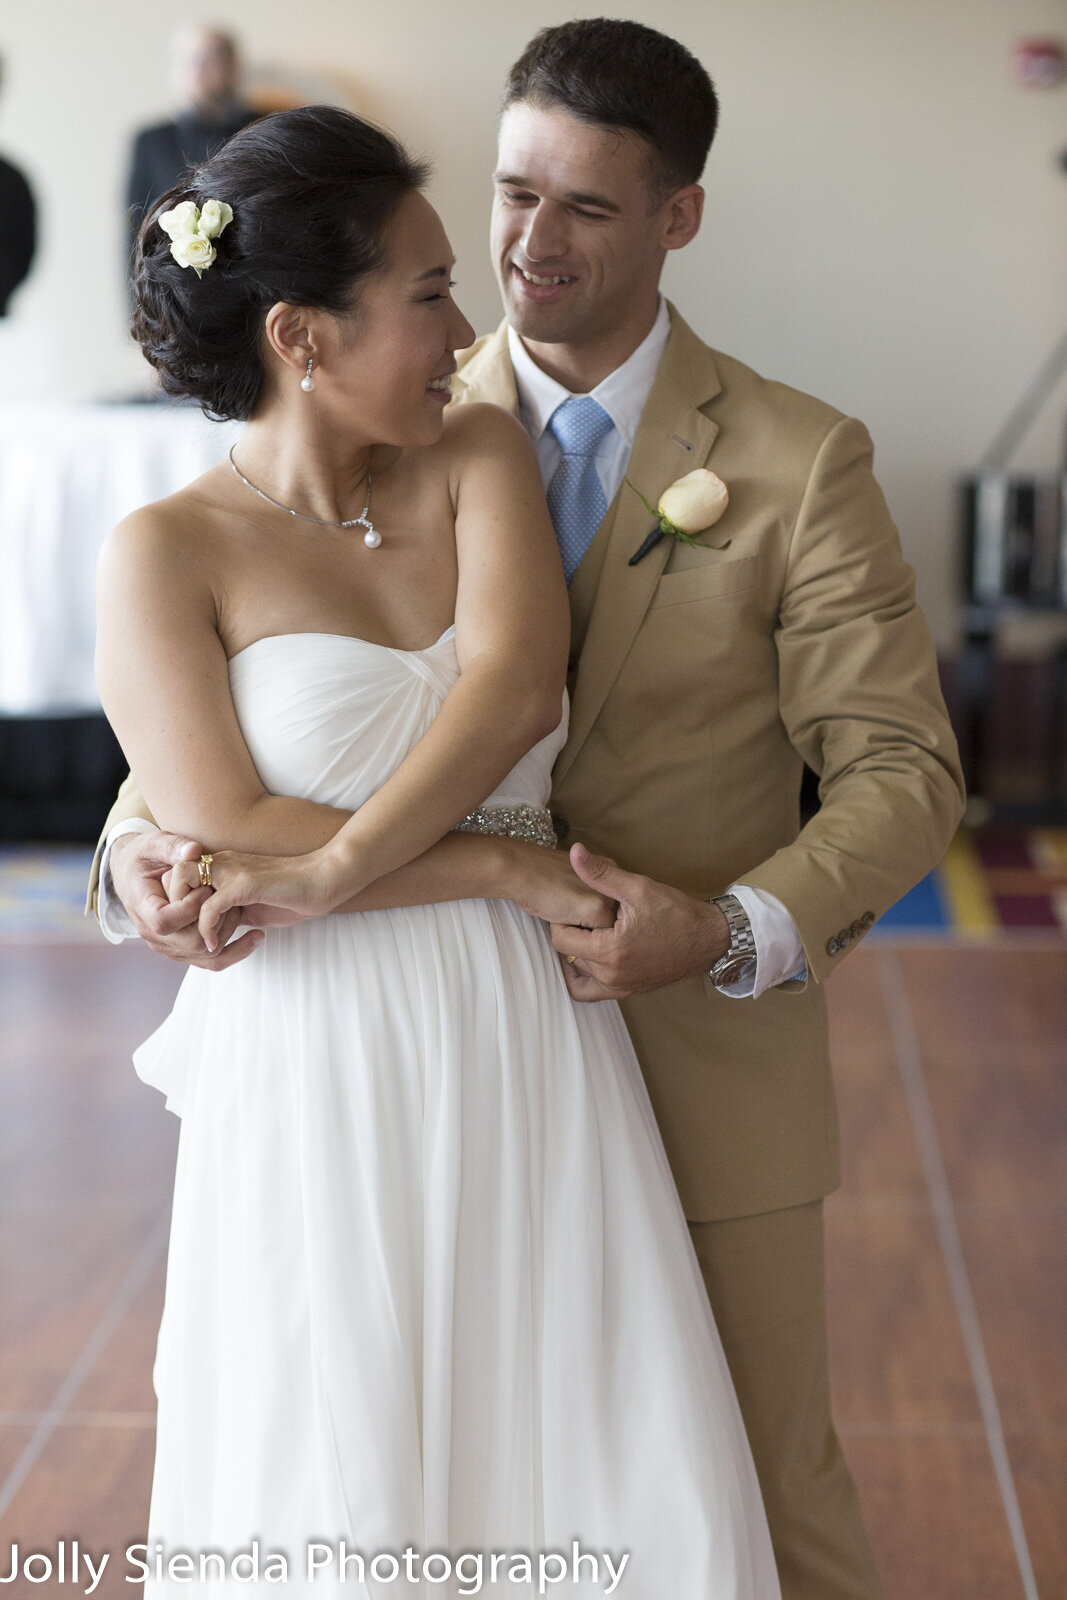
(947, 1251)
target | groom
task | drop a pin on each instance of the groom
(702, 676)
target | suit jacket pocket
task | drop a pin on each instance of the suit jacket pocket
(710, 579)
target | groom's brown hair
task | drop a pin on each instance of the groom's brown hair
(624, 75)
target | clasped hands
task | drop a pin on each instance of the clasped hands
(657, 935)
(626, 933)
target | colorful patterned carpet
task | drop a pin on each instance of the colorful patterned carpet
(992, 882)
(42, 895)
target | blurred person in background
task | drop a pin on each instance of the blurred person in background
(18, 238)
(205, 74)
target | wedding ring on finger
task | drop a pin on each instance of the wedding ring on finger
(204, 868)
(571, 960)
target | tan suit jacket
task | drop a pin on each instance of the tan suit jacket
(701, 681)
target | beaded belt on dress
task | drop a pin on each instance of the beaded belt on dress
(513, 822)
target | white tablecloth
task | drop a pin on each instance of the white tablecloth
(68, 473)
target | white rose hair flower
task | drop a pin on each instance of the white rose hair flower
(214, 216)
(193, 251)
(191, 230)
(180, 222)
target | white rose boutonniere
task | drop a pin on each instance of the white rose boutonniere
(691, 505)
(191, 231)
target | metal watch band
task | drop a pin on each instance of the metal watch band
(742, 946)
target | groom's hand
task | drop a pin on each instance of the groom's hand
(138, 864)
(659, 934)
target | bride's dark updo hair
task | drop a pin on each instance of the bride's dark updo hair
(312, 191)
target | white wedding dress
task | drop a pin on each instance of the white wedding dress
(429, 1281)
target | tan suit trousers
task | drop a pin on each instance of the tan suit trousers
(765, 1280)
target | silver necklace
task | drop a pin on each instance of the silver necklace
(372, 538)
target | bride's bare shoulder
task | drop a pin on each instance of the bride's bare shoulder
(180, 529)
(477, 426)
(478, 436)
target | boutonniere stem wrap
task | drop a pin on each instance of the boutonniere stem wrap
(690, 506)
(192, 229)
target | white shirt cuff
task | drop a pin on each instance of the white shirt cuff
(114, 919)
(779, 952)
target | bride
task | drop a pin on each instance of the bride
(433, 1320)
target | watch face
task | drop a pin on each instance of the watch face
(735, 969)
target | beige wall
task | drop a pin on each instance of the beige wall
(887, 225)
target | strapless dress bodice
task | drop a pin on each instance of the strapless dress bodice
(330, 717)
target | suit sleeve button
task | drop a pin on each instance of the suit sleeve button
(844, 937)
(832, 947)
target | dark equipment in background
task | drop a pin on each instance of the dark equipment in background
(58, 777)
(18, 236)
(1014, 561)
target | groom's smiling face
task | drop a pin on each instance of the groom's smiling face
(580, 228)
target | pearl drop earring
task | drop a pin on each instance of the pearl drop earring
(307, 382)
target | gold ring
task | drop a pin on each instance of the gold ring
(204, 868)
(572, 959)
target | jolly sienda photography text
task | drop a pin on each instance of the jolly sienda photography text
(69, 1562)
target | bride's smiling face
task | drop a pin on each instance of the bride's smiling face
(384, 372)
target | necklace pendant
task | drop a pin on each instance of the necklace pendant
(372, 538)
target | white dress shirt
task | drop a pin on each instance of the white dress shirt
(622, 394)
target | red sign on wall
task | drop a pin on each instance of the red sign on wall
(1038, 63)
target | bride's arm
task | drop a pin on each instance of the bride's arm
(511, 636)
(162, 675)
(512, 629)
(461, 866)
(163, 680)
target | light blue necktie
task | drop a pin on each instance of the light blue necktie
(576, 500)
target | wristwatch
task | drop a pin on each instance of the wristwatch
(739, 961)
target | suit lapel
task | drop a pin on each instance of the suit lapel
(673, 438)
(486, 373)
